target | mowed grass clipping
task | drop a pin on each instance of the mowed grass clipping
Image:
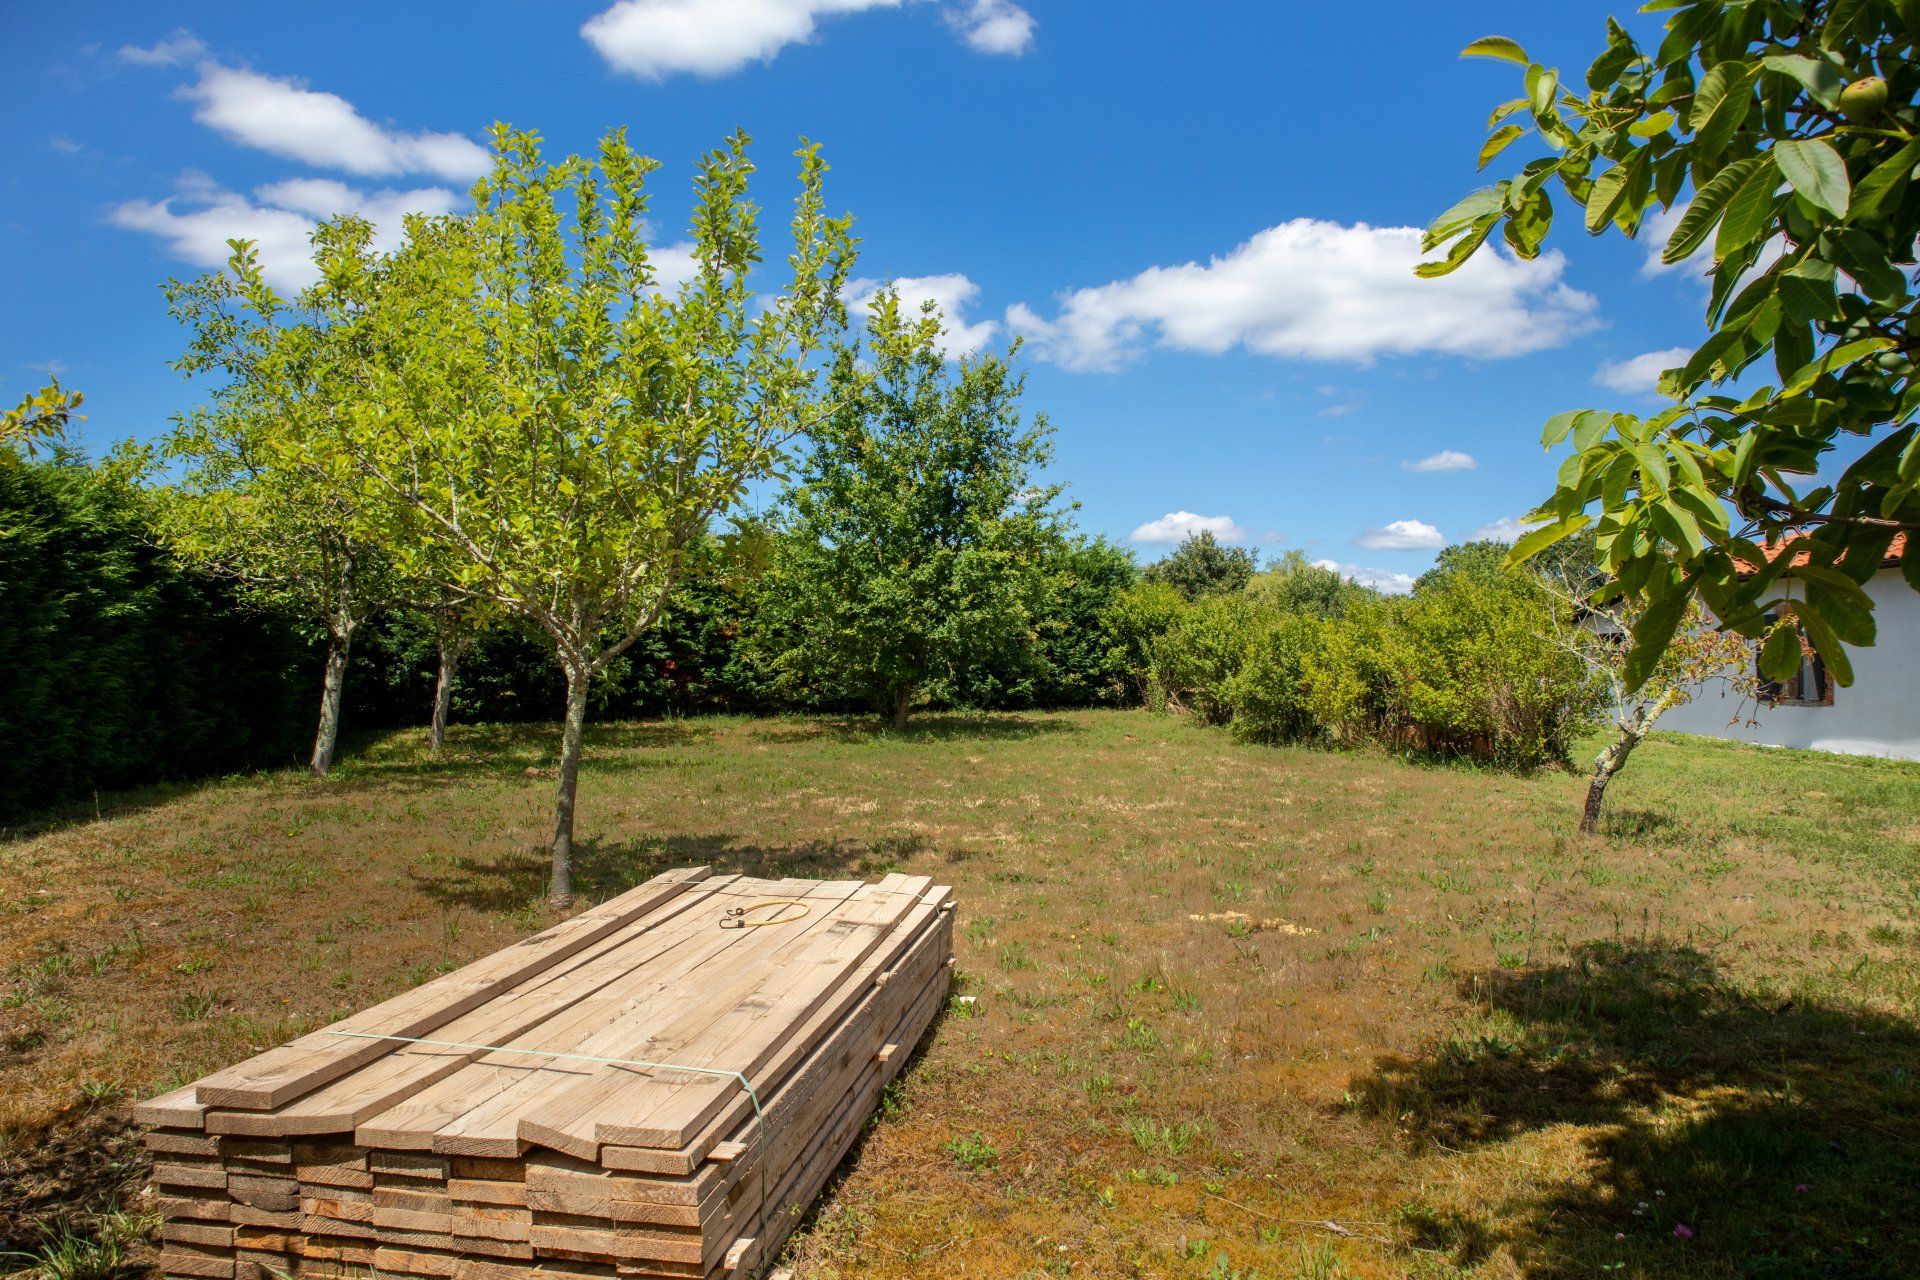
(1223, 1010)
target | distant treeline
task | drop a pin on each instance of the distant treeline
(123, 667)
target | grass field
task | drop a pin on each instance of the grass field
(1236, 1011)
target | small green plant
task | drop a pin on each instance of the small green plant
(194, 1006)
(67, 1252)
(972, 1152)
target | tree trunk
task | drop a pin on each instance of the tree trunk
(339, 640)
(1613, 758)
(450, 652)
(579, 679)
(902, 704)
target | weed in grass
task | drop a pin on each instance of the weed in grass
(971, 1152)
(1156, 1139)
(194, 1006)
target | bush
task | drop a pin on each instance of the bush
(1270, 693)
(1463, 667)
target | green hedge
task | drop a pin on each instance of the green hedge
(117, 667)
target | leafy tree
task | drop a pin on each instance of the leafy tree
(913, 537)
(1784, 136)
(262, 497)
(1295, 584)
(1201, 566)
(39, 420)
(1597, 635)
(565, 422)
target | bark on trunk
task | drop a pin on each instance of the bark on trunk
(902, 704)
(324, 738)
(443, 691)
(578, 682)
(1612, 759)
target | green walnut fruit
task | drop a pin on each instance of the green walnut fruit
(1863, 99)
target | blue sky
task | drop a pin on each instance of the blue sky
(1197, 214)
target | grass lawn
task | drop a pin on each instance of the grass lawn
(1236, 1011)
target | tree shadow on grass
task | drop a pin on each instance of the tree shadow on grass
(929, 726)
(602, 868)
(1732, 1133)
(501, 750)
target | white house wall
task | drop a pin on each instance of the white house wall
(1877, 715)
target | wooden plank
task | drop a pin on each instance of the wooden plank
(284, 1073)
(479, 1111)
(751, 1035)
(180, 1109)
(337, 1106)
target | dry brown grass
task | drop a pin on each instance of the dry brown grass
(1484, 1045)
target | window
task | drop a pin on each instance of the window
(1807, 687)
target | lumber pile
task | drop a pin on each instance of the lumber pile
(569, 1107)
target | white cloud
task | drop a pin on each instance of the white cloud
(994, 26)
(1403, 535)
(196, 222)
(950, 294)
(1505, 529)
(181, 46)
(1445, 460)
(1177, 526)
(1640, 375)
(673, 264)
(1317, 290)
(653, 39)
(285, 118)
(64, 145)
(1394, 584)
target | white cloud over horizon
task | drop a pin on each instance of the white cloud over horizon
(1505, 529)
(1402, 535)
(1386, 580)
(281, 116)
(1178, 526)
(1316, 290)
(994, 26)
(1445, 460)
(950, 294)
(196, 222)
(1640, 375)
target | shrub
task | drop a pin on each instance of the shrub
(1269, 694)
(1193, 663)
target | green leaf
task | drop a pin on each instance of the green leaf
(1910, 562)
(1654, 632)
(1720, 106)
(1557, 428)
(1806, 291)
(1462, 249)
(1542, 84)
(1705, 210)
(1825, 643)
(1679, 528)
(1653, 125)
(1815, 171)
(1534, 542)
(1463, 214)
(1780, 656)
(1496, 47)
(1608, 190)
(1500, 141)
(1818, 78)
(1750, 210)
(1838, 358)
(1653, 467)
(1588, 427)
(1885, 184)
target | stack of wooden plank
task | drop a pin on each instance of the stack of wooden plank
(658, 1086)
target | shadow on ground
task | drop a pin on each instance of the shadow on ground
(602, 868)
(1730, 1132)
